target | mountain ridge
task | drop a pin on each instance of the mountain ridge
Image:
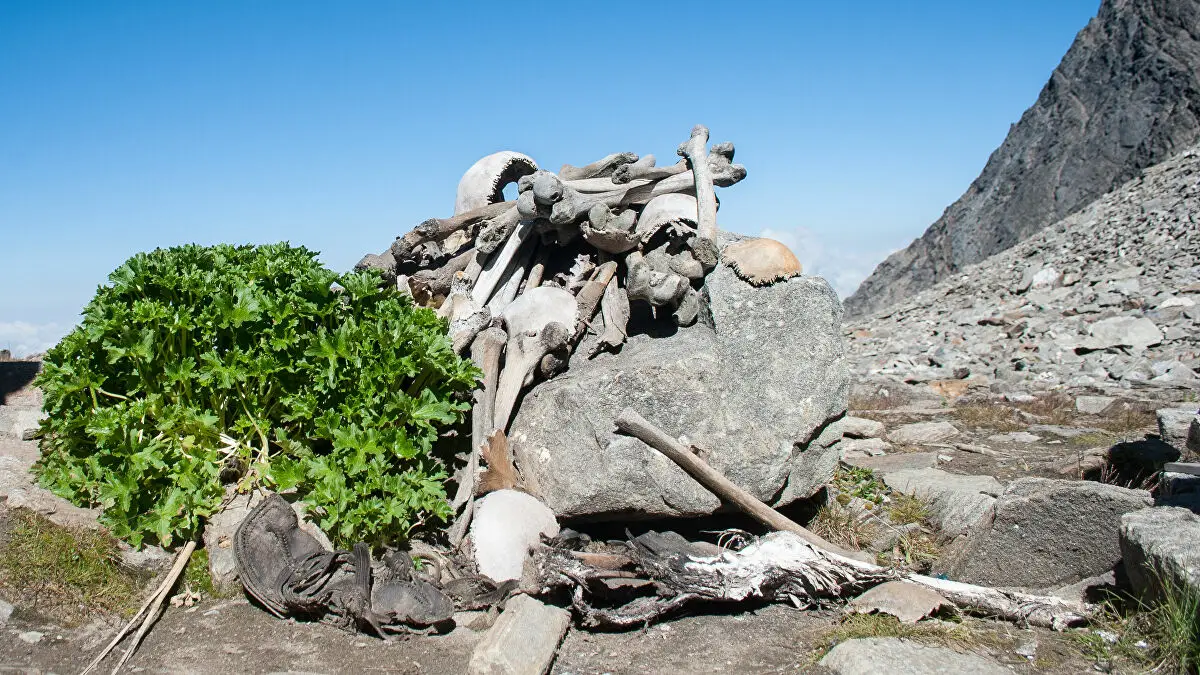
(1126, 96)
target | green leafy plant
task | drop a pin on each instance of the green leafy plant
(201, 366)
(858, 482)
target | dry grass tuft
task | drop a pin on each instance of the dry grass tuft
(66, 574)
(905, 509)
(990, 416)
(966, 634)
(842, 526)
(1163, 636)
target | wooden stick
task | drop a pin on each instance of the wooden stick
(152, 604)
(635, 425)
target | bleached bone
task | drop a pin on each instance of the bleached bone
(439, 280)
(486, 350)
(720, 164)
(535, 276)
(602, 167)
(579, 273)
(706, 200)
(762, 261)
(466, 318)
(609, 232)
(663, 211)
(535, 308)
(498, 263)
(614, 307)
(497, 231)
(652, 281)
(523, 354)
(590, 295)
(512, 283)
(436, 229)
(644, 169)
(485, 181)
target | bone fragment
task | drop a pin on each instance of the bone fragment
(609, 232)
(486, 350)
(706, 200)
(523, 354)
(590, 295)
(497, 264)
(535, 276)
(599, 168)
(614, 307)
(650, 279)
(498, 230)
(466, 318)
(439, 280)
(436, 229)
(535, 308)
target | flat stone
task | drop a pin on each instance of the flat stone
(6, 610)
(1023, 437)
(1191, 468)
(1158, 542)
(506, 524)
(903, 461)
(864, 446)
(1045, 533)
(523, 641)
(31, 636)
(896, 656)
(1174, 425)
(752, 391)
(1123, 331)
(1093, 405)
(956, 503)
(904, 600)
(923, 432)
(1061, 431)
(861, 427)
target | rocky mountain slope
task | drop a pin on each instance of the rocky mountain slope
(1108, 297)
(1126, 96)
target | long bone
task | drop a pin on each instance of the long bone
(644, 169)
(590, 295)
(498, 230)
(486, 350)
(599, 168)
(529, 314)
(440, 280)
(614, 307)
(512, 283)
(705, 243)
(496, 266)
(522, 356)
(436, 229)
(465, 316)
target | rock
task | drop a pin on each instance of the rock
(861, 427)
(906, 601)
(872, 447)
(1174, 425)
(956, 503)
(506, 525)
(218, 538)
(1093, 405)
(523, 641)
(1113, 106)
(1122, 331)
(17, 423)
(31, 636)
(904, 461)
(1046, 533)
(150, 559)
(1193, 439)
(751, 393)
(6, 610)
(1023, 437)
(895, 656)
(923, 432)
(1160, 543)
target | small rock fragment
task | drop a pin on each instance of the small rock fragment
(895, 656)
(1093, 405)
(923, 432)
(906, 601)
(523, 641)
(31, 636)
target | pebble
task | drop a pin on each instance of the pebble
(31, 636)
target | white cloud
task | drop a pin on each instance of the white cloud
(23, 338)
(844, 268)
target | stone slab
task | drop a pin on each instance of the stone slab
(523, 641)
(895, 656)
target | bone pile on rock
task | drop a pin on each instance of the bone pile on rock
(1108, 298)
(522, 281)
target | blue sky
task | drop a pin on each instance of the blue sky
(128, 126)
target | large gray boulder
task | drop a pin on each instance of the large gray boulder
(752, 391)
(1161, 544)
(957, 503)
(1046, 533)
